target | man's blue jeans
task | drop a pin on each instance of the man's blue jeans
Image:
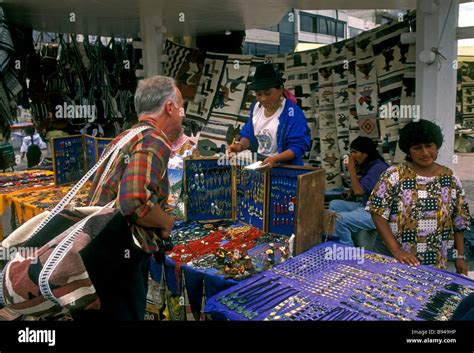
(351, 218)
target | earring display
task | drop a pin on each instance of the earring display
(250, 196)
(283, 200)
(90, 151)
(74, 155)
(315, 286)
(264, 199)
(68, 159)
(102, 143)
(208, 190)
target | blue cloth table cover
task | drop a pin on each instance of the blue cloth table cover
(311, 267)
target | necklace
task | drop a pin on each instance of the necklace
(269, 112)
(424, 172)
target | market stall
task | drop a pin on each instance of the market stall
(25, 204)
(325, 284)
(21, 181)
(238, 222)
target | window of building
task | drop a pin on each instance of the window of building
(287, 43)
(306, 23)
(354, 32)
(340, 30)
(260, 49)
(321, 24)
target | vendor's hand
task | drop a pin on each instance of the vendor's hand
(235, 147)
(406, 258)
(269, 163)
(461, 266)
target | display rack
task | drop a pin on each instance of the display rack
(102, 142)
(74, 155)
(69, 161)
(90, 150)
(285, 200)
(251, 192)
(208, 190)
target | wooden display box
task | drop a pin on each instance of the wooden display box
(309, 207)
(300, 187)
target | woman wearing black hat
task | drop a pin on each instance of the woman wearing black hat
(365, 160)
(277, 128)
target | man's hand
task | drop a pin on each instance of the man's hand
(406, 258)
(461, 266)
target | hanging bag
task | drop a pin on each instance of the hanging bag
(53, 252)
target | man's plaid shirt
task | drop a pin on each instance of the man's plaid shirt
(140, 173)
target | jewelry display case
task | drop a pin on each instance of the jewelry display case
(208, 190)
(285, 200)
(69, 159)
(74, 155)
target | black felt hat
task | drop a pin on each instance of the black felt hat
(265, 77)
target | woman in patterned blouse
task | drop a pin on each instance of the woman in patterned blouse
(419, 207)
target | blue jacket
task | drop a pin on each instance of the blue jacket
(292, 133)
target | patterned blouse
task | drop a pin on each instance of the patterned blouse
(423, 212)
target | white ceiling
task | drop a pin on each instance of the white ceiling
(122, 17)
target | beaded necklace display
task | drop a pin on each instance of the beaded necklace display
(238, 238)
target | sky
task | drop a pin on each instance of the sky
(466, 19)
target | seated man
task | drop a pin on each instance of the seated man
(351, 216)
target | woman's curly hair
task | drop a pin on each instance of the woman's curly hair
(418, 132)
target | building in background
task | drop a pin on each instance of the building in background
(302, 30)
